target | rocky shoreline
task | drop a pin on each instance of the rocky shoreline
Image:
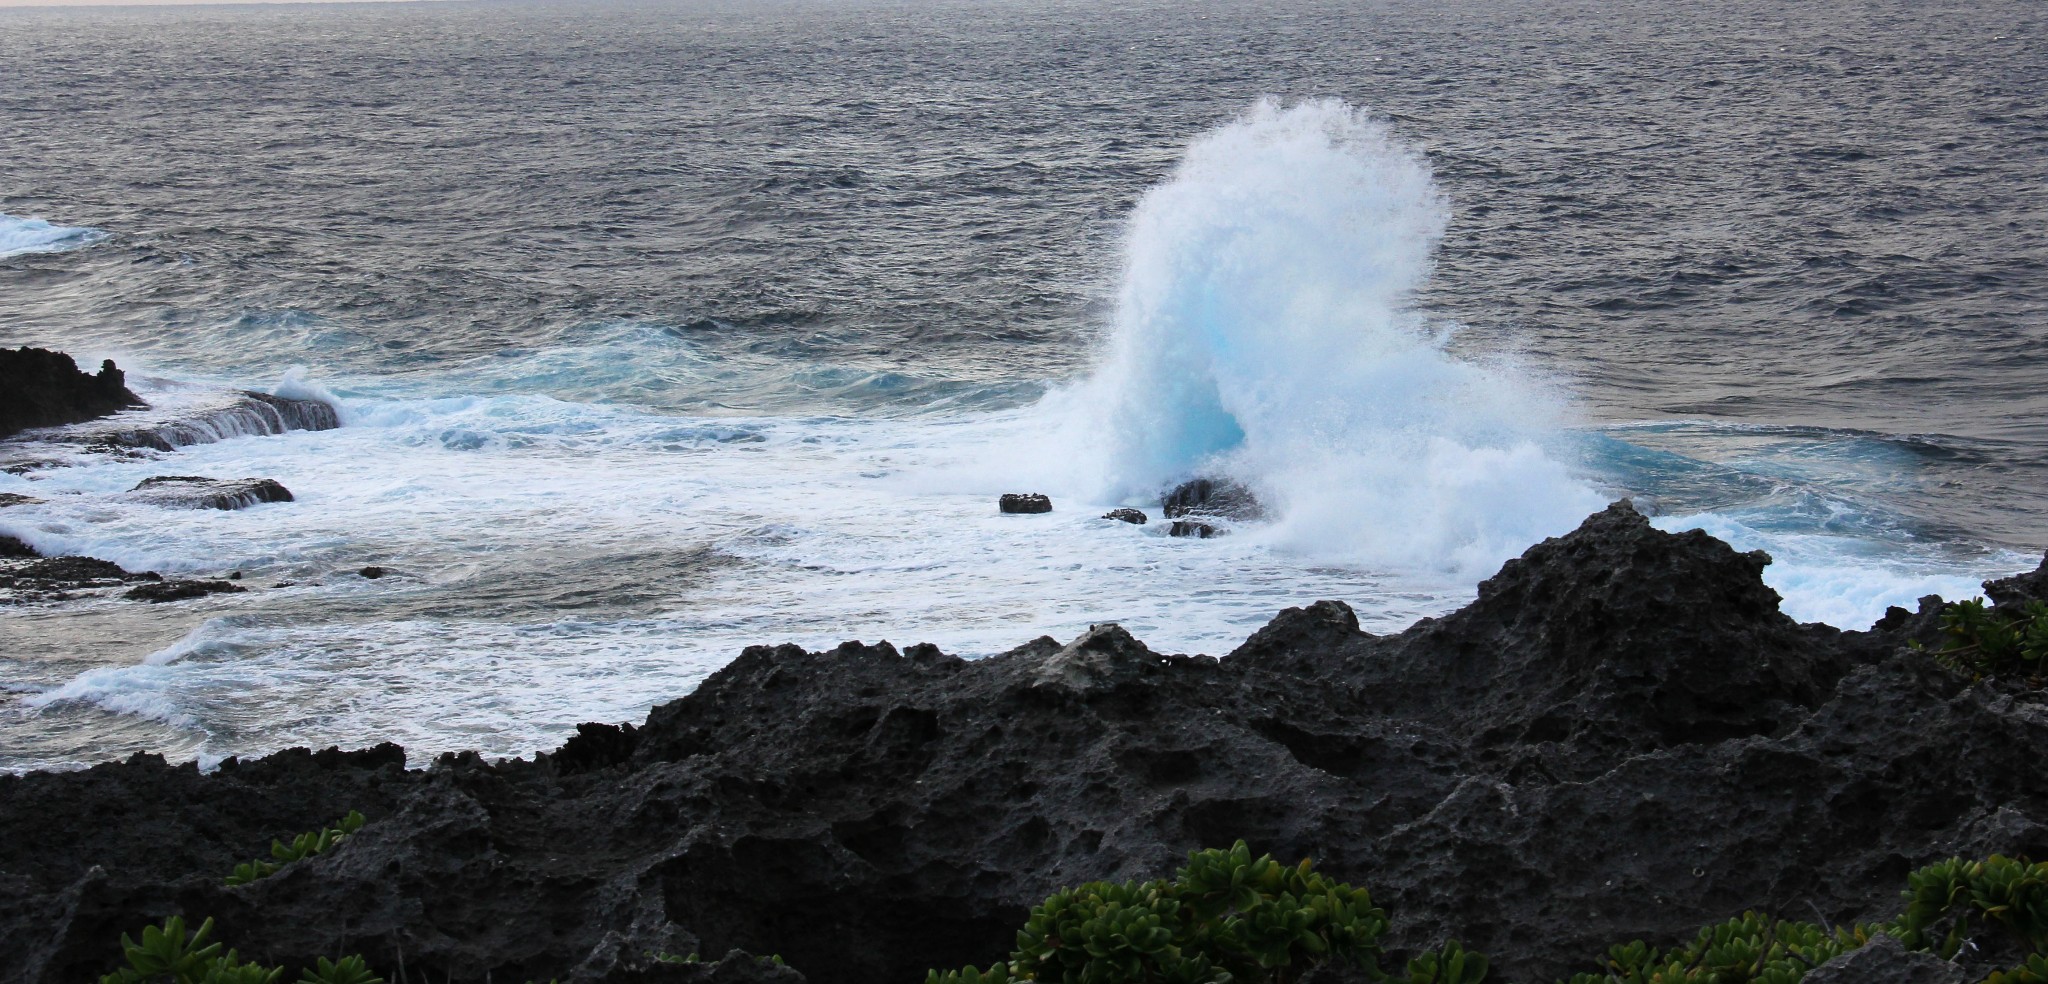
(44, 400)
(1620, 738)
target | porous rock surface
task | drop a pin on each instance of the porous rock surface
(1885, 961)
(41, 388)
(1620, 738)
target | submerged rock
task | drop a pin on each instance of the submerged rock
(27, 577)
(158, 592)
(1621, 738)
(197, 492)
(41, 388)
(1031, 502)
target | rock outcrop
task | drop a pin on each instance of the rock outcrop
(41, 388)
(1205, 507)
(28, 577)
(1024, 502)
(1621, 738)
(243, 414)
(197, 492)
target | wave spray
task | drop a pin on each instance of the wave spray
(1265, 331)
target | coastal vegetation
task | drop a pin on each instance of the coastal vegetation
(168, 954)
(1224, 918)
(2004, 641)
(303, 846)
(1229, 919)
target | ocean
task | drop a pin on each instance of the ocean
(661, 330)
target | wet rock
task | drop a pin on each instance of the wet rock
(158, 592)
(242, 414)
(1031, 502)
(1136, 517)
(372, 573)
(1885, 960)
(1217, 497)
(1205, 507)
(26, 577)
(41, 388)
(17, 499)
(197, 492)
(1621, 738)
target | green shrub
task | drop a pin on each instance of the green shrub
(347, 970)
(303, 846)
(1226, 918)
(1948, 905)
(1994, 641)
(2034, 971)
(167, 954)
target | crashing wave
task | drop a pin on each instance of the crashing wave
(20, 237)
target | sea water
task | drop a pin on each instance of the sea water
(661, 331)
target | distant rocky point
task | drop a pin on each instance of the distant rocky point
(41, 388)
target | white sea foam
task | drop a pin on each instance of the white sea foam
(491, 511)
(1849, 581)
(20, 236)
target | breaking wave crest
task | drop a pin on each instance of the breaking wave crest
(1264, 331)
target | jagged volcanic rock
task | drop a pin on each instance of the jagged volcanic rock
(1885, 961)
(1620, 738)
(41, 388)
(198, 492)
